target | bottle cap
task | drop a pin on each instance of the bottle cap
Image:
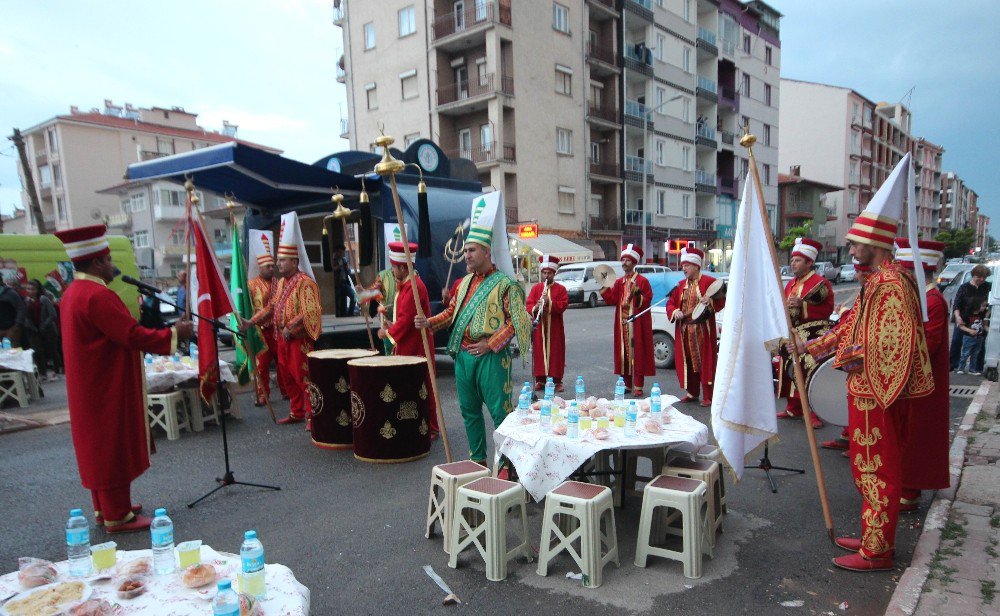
(225, 584)
(159, 512)
(75, 512)
(250, 535)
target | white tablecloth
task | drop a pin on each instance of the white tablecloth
(544, 460)
(167, 595)
(159, 382)
(21, 360)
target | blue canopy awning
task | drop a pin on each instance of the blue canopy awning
(253, 176)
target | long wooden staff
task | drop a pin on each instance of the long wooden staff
(800, 382)
(390, 167)
(189, 189)
(342, 213)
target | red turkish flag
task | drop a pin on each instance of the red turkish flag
(212, 302)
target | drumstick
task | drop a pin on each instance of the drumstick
(651, 306)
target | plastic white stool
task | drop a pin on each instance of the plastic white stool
(171, 416)
(494, 499)
(586, 505)
(196, 410)
(445, 481)
(713, 453)
(686, 496)
(12, 385)
(709, 472)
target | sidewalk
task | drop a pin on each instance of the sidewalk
(50, 410)
(955, 567)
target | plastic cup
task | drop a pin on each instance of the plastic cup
(585, 423)
(602, 422)
(619, 420)
(105, 555)
(189, 553)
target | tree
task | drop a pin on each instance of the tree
(793, 233)
(957, 242)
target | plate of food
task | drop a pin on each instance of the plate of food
(47, 600)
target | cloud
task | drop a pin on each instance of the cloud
(212, 117)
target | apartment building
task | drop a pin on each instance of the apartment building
(959, 203)
(927, 171)
(803, 200)
(557, 104)
(74, 157)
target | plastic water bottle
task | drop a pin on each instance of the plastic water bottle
(78, 543)
(630, 419)
(619, 406)
(193, 351)
(550, 389)
(581, 390)
(545, 420)
(573, 421)
(526, 389)
(148, 359)
(226, 601)
(523, 404)
(6, 343)
(655, 406)
(162, 533)
(252, 561)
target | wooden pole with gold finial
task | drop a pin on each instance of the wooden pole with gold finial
(390, 167)
(748, 141)
(190, 202)
(342, 213)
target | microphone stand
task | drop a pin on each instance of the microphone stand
(228, 479)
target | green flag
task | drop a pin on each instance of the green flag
(248, 347)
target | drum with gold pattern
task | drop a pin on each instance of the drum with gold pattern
(390, 405)
(329, 392)
(827, 389)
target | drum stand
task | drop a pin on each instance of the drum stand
(766, 466)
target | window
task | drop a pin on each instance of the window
(459, 13)
(687, 60)
(686, 158)
(744, 166)
(57, 176)
(661, 203)
(746, 44)
(767, 134)
(686, 114)
(687, 10)
(767, 174)
(45, 176)
(567, 200)
(746, 84)
(53, 139)
(165, 146)
(407, 24)
(135, 203)
(484, 78)
(767, 94)
(408, 84)
(140, 239)
(660, 98)
(596, 94)
(660, 147)
(486, 140)
(686, 206)
(744, 122)
(171, 198)
(564, 141)
(768, 55)
(560, 18)
(661, 43)
(465, 143)
(409, 139)
(595, 205)
(371, 92)
(595, 153)
(461, 82)
(61, 208)
(564, 80)
(369, 29)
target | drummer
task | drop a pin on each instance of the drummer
(401, 333)
(696, 350)
(810, 299)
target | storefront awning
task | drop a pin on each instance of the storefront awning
(556, 246)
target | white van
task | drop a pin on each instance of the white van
(578, 278)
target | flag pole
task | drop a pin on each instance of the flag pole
(342, 213)
(390, 166)
(748, 141)
(189, 189)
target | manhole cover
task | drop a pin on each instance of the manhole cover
(963, 391)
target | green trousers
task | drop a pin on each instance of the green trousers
(483, 380)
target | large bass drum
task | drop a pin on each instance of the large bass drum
(330, 397)
(827, 389)
(390, 403)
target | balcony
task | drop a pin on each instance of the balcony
(345, 128)
(168, 212)
(150, 155)
(635, 217)
(41, 158)
(456, 30)
(604, 8)
(341, 75)
(635, 114)
(605, 59)
(120, 221)
(640, 8)
(728, 186)
(606, 170)
(727, 138)
(706, 89)
(461, 97)
(45, 191)
(704, 224)
(706, 42)
(488, 154)
(603, 224)
(729, 97)
(704, 181)
(634, 164)
(705, 136)
(639, 58)
(339, 10)
(604, 113)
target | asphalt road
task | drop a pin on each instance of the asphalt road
(353, 532)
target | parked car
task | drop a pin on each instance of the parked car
(578, 278)
(951, 289)
(652, 269)
(952, 271)
(827, 270)
(847, 273)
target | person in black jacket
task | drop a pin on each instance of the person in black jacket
(969, 296)
(41, 326)
(11, 314)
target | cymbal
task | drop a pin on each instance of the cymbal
(604, 274)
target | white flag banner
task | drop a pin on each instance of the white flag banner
(743, 410)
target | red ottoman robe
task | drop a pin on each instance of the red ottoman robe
(406, 338)
(642, 330)
(705, 331)
(555, 332)
(102, 347)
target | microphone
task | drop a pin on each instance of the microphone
(142, 286)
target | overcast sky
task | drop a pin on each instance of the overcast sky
(268, 66)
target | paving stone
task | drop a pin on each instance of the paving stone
(969, 508)
(980, 485)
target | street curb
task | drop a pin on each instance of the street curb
(911, 584)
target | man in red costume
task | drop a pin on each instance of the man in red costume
(404, 336)
(102, 347)
(546, 304)
(925, 446)
(883, 349)
(696, 348)
(810, 299)
(630, 295)
(295, 308)
(261, 290)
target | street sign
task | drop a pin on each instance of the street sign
(528, 231)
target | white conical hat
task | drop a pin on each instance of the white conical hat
(876, 226)
(290, 243)
(489, 228)
(260, 243)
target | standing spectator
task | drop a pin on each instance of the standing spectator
(41, 327)
(342, 283)
(973, 333)
(182, 291)
(969, 295)
(11, 314)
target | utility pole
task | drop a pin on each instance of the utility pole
(29, 182)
